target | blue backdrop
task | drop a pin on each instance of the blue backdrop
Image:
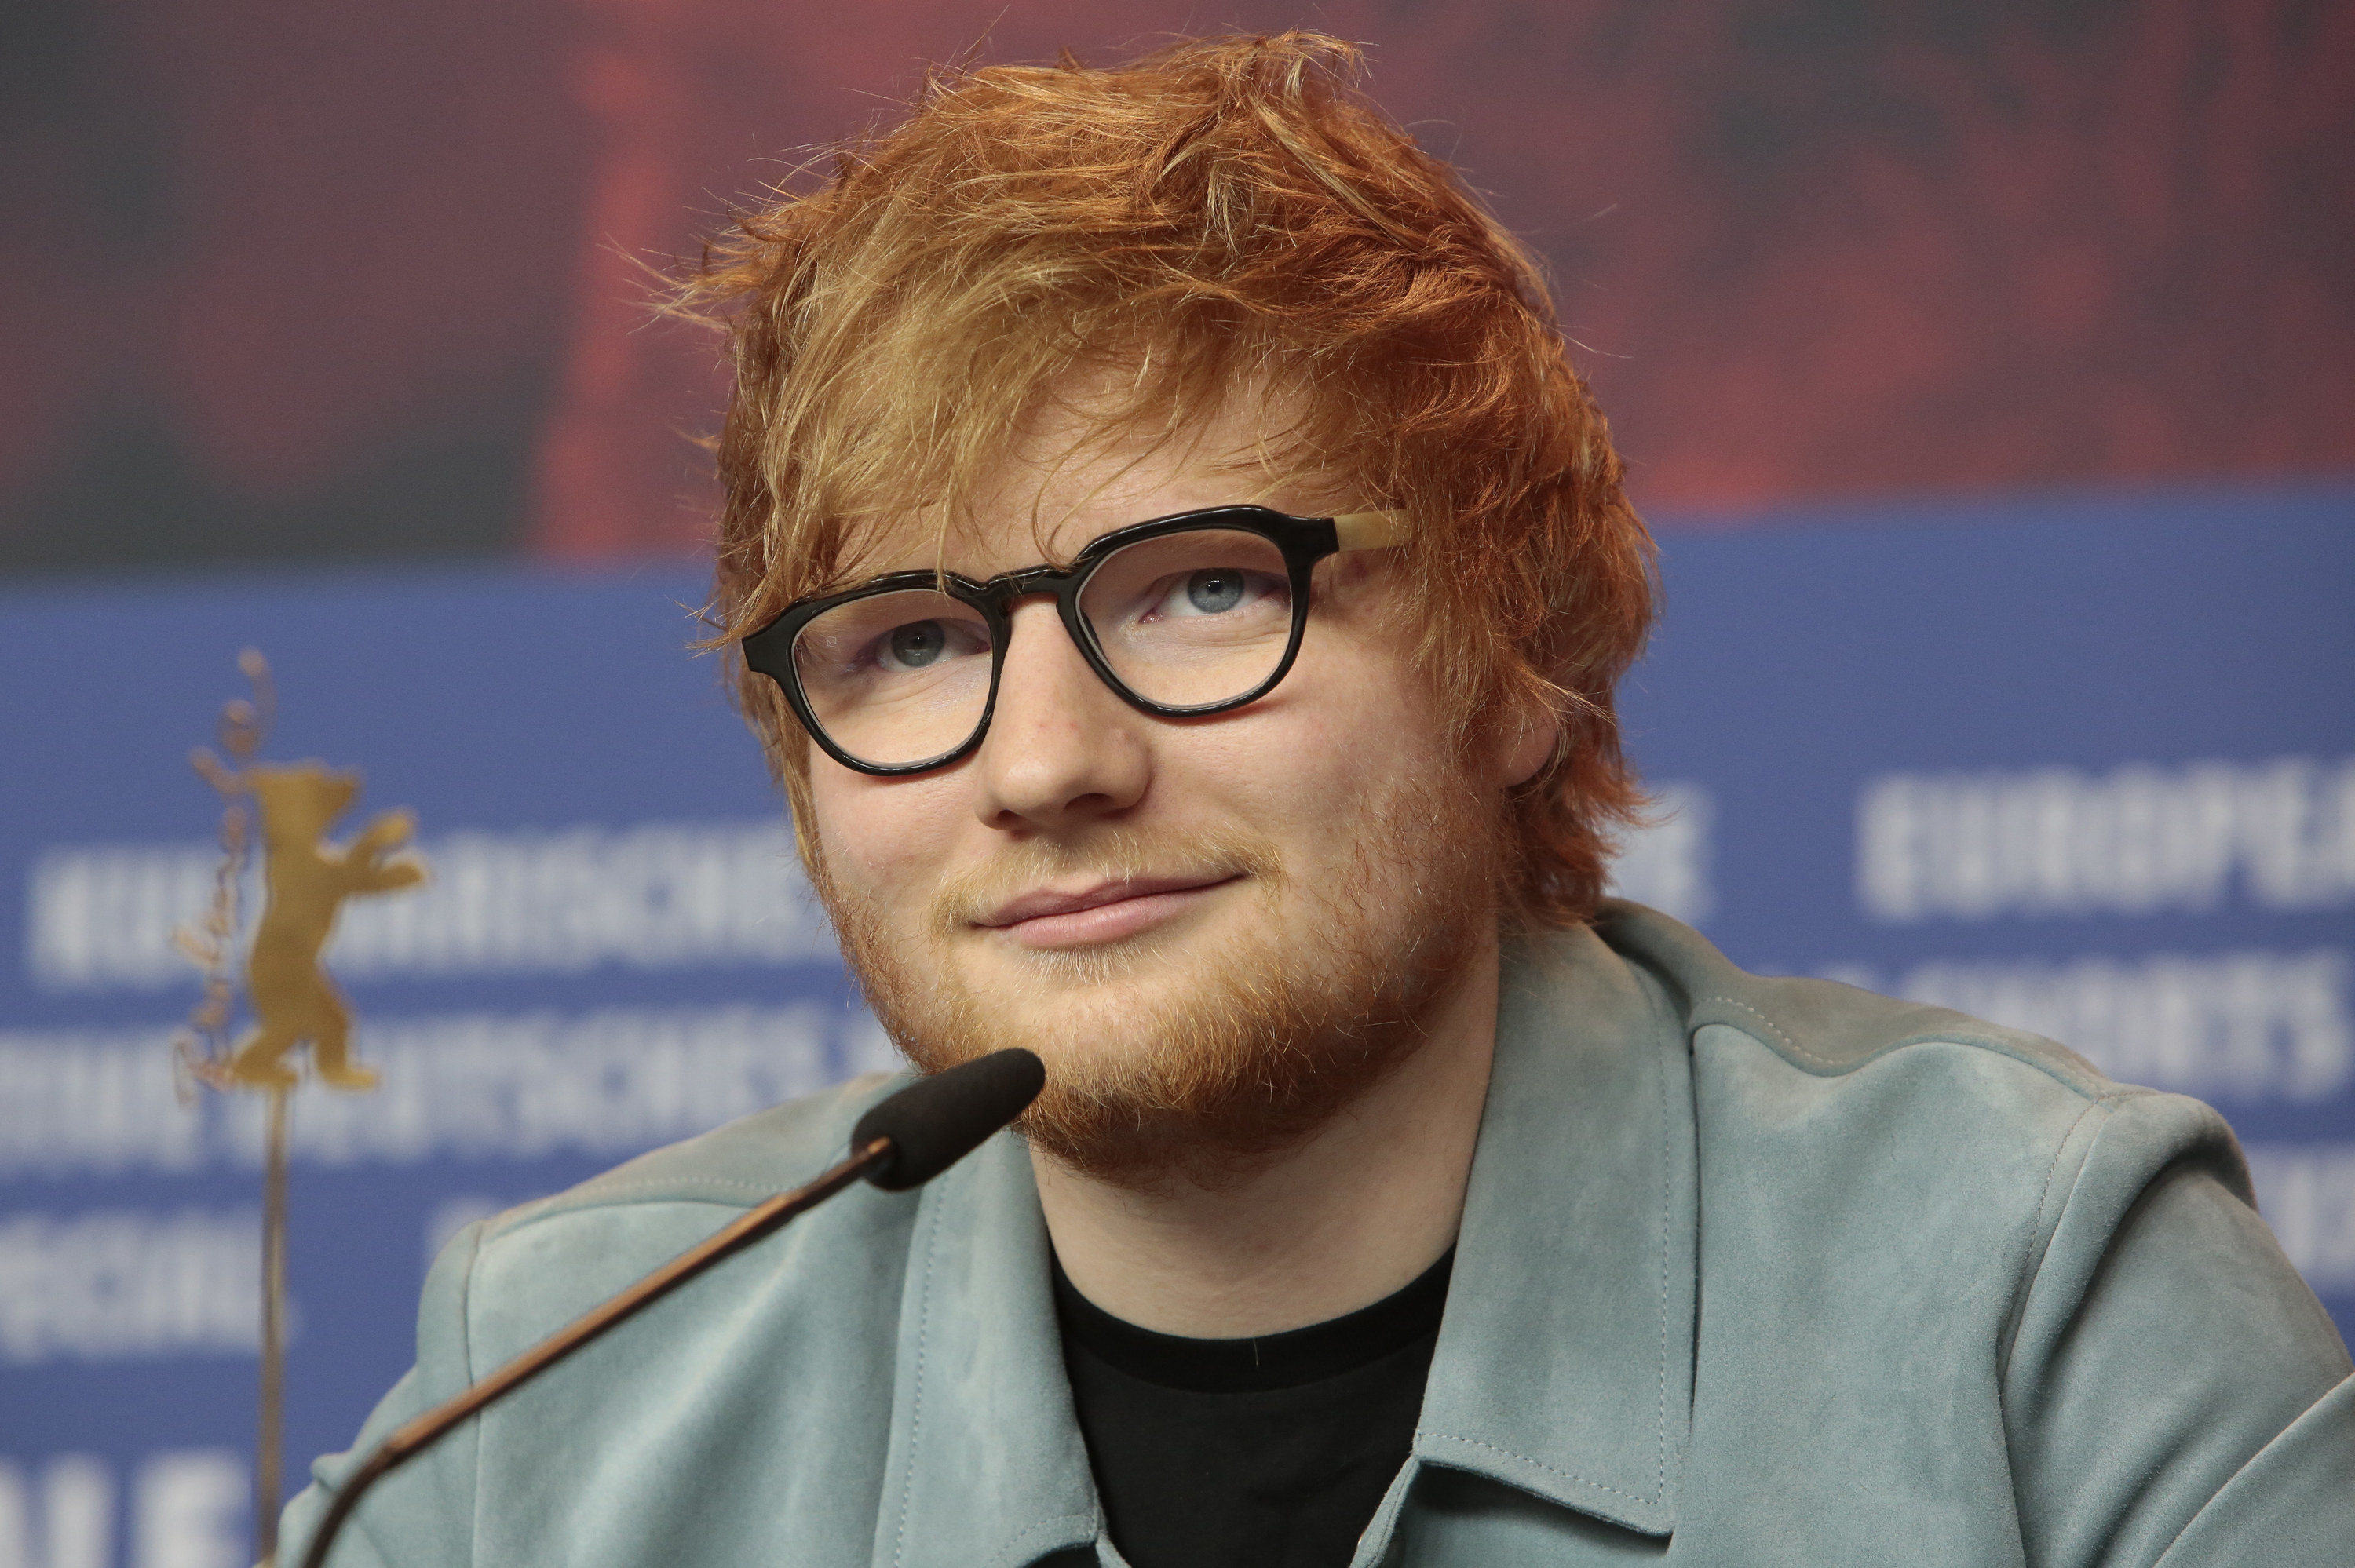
(2083, 765)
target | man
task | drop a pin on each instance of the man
(1182, 585)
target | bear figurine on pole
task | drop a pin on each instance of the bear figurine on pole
(294, 1002)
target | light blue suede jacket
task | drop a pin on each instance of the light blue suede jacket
(1753, 1272)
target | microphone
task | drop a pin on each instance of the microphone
(934, 1122)
(900, 1144)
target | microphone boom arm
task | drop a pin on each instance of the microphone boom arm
(413, 1437)
(901, 1143)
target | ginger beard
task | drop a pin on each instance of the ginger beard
(1197, 1061)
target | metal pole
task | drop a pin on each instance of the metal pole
(267, 1444)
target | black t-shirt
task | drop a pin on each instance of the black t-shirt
(1267, 1453)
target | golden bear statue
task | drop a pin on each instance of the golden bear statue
(306, 882)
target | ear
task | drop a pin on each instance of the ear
(1525, 743)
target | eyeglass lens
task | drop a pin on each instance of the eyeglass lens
(1188, 620)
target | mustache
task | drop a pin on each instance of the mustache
(1113, 854)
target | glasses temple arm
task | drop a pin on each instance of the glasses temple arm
(1370, 530)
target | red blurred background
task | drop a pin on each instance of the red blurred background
(281, 281)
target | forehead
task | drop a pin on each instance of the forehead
(1070, 478)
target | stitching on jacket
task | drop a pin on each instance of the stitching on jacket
(466, 1360)
(467, 1305)
(916, 1400)
(1538, 1464)
(682, 1187)
(2052, 1170)
(2026, 1247)
(2019, 1308)
(2114, 1092)
(674, 1194)
(1007, 1553)
(1667, 1191)
(1788, 1044)
(1667, 1186)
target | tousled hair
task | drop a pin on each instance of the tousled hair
(1224, 218)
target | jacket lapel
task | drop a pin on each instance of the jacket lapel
(1564, 1363)
(986, 1465)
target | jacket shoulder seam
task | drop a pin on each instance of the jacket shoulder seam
(1772, 1028)
(629, 1193)
(2044, 1198)
(2106, 1094)
(467, 1360)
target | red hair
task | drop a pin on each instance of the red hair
(1222, 217)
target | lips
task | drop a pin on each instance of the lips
(1048, 903)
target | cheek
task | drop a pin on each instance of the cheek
(879, 838)
(1360, 730)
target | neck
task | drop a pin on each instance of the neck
(1353, 1212)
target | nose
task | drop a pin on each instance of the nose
(1062, 748)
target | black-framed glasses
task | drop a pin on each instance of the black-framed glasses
(1193, 613)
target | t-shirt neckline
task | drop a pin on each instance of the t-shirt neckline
(1296, 1356)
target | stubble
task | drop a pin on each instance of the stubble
(1198, 1063)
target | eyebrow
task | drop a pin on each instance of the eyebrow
(1351, 531)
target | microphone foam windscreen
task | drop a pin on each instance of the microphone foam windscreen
(934, 1122)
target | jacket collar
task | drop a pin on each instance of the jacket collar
(1564, 1361)
(1564, 1364)
(986, 1465)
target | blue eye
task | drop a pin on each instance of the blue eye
(1215, 592)
(917, 644)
